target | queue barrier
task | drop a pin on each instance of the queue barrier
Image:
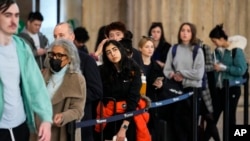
(133, 113)
(227, 84)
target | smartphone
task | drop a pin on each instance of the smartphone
(159, 78)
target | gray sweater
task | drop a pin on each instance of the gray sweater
(183, 62)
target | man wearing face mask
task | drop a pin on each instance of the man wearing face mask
(91, 73)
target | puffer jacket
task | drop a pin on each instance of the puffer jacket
(141, 120)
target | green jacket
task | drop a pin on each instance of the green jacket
(236, 66)
(33, 89)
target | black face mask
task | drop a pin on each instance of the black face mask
(55, 64)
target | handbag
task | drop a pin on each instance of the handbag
(172, 88)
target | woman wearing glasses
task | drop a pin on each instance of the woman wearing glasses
(66, 86)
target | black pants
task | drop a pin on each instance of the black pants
(182, 120)
(219, 105)
(234, 95)
(21, 133)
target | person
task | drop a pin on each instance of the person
(66, 86)
(91, 73)
(100, 36)
(32, 35)
(22, 89)
(117, 31)
(121, 79)
(227, 66)
(188, 71)
(154, 81)
(81, 37)
(127, 44)
(156, 32)
(208, 89)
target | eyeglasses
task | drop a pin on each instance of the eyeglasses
(57, 55)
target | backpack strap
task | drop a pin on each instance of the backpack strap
(195, 52)
(234, 52)
(246, 74)
(174, 49)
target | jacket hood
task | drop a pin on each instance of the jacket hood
(237, 41)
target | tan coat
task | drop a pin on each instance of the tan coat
(69, 99)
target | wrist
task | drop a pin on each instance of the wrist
(124, 126)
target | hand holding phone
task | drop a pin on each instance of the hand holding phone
(159, 78)
(158, 82)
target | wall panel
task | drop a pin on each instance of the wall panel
(139, 14)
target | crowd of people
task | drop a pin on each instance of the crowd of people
(46, 86)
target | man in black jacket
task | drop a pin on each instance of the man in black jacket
(92, 75)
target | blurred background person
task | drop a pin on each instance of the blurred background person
(32, 35)
(188, 70)
(100, 36)
(154, 80)
(230, 63)
(81, 37)
(117, 31)
(156, 32)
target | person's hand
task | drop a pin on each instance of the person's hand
(160, 63)
(178, 77)
(121, 135)
(171, 75)
(217, 67)
(58, 119)
(41, 51)
(100, 46)
(158, 83)
(44, 133)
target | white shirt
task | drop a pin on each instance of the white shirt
(13, 112)
(35, 39)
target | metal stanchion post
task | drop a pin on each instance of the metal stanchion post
(246, 102)
(226, 112)
(71, 128)
(195, 113)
